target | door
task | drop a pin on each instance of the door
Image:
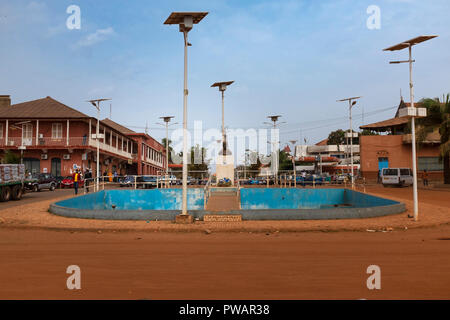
(383, 163)
(27, 134)
(56, 167)
(32, 165)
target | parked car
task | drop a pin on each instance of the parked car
(67, 182)
(146, 182)
(171, 179)
(41, 181)
(397, 176)
(127, 181)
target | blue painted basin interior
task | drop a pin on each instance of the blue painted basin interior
(155, 199)
(259, 198)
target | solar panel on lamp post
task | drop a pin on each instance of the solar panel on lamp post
(186, 21)
(351, 103)
(222, 87)
(96, 104)
(403, 45)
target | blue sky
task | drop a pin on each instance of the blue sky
(294, 58)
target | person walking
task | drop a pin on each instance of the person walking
(87, 179)
(425, 178)
(76, 179)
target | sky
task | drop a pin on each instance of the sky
(293, 58)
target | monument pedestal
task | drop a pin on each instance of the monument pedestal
(225, 168)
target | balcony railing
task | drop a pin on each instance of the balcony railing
(70, 143)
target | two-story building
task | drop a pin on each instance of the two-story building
(150, 153)
(52, 137)
(391, 147)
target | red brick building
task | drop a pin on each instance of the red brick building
(56, 138)
(392, 148)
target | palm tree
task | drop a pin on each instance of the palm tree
(163, 142)
(438, 118)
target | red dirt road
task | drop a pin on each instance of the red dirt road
(140, 265)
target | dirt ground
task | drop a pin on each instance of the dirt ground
(257, 260)
(415, 264)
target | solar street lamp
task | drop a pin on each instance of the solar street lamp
(222, 87)
(96, 104)
(351, 103)
(186, 21)
(275, 151)
(166, 120)
(412, 112)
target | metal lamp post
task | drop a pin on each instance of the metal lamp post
(96, 104)
(403, 45)
(186, 21)
(222, 87)
(351, 103)
(293, 142)
(166, 120)
(275, 150)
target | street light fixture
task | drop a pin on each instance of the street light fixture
(275, 151)
(413, 112)
(96, 104)
(166, 120)
(186, 21)
(293, 142)
(351, 102)
(222, 87)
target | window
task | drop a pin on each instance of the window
(27, 134)
(430, 164)
(56, 130)
(1, 130)
(390, 172)
(405, 172)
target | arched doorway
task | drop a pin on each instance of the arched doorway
(56, 167)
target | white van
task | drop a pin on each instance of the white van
(397, 177)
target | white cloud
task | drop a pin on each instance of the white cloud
(96, 37)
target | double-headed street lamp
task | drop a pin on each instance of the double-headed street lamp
(275, 148)
(222, 87)
(96, 104)
(411, 112)
(351, 103)
(166, 120)
(186, 21)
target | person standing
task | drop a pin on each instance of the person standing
(425, 177)
(87, 179)
(76, 179)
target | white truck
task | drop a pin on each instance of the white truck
(401, 177)
(12, 178)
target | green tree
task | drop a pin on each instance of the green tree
(336, 137)
(163, 142)
(199, 164)
(10, 157)
(438, 118)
